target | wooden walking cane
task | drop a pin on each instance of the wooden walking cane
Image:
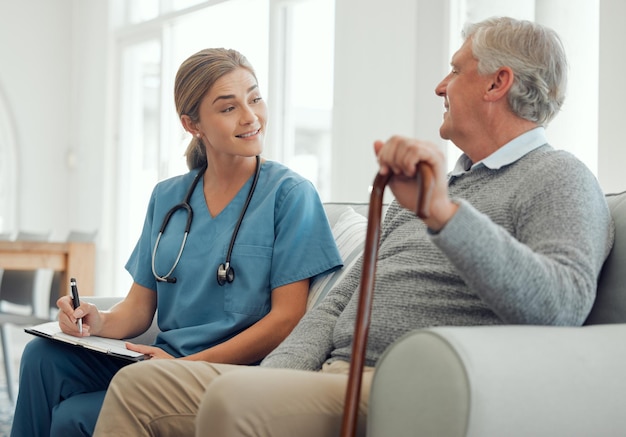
(366, 294)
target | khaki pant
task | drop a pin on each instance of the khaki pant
(163, 398)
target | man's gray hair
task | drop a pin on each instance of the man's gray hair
(536, 55)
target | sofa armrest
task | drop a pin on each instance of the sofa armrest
(106, 302)
(505, 380)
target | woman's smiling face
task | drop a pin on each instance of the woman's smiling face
(233, 115)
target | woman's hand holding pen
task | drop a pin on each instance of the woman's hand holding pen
(68, 317)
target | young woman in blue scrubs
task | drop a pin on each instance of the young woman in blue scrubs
(214, 304)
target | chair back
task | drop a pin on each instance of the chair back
(33, 236)
(18, 287)
(82, 236)
(5, 236)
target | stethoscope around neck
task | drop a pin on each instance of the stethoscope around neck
(225, 272)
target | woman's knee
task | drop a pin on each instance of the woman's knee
(36, 349)
(77, 415)
(41, 353)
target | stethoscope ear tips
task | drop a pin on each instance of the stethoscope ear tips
(225, 273)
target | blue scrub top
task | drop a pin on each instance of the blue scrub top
(284, 237)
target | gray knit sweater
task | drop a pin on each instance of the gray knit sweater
(525, 247)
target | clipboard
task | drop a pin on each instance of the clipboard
(107, 346)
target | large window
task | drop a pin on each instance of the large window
(302, 87)
(295, 37)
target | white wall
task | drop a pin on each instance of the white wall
(35, 49)
(380, 91)
(374, 86)
(573, 128)
(612, 95)
(88, 124)
(90, 149)
(53, 77)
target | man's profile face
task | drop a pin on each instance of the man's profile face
(463, 90)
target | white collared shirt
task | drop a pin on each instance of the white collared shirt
(505, 155)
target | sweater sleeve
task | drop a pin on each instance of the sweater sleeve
(311, 341)
(545, 272)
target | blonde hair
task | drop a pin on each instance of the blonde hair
(194, 79)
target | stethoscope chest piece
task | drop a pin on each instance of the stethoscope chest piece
(225, 273)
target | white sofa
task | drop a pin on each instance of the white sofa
(508, 381)
(500, 381)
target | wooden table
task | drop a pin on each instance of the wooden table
(74, 260)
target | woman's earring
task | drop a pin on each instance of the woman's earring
(199, 135)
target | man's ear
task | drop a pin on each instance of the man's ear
(501, 83)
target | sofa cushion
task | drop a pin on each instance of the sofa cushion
(610, 304)
(349, 228)
(335, 209)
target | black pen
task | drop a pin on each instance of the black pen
(76, 302)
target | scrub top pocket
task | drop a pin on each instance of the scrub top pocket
(249, 293)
